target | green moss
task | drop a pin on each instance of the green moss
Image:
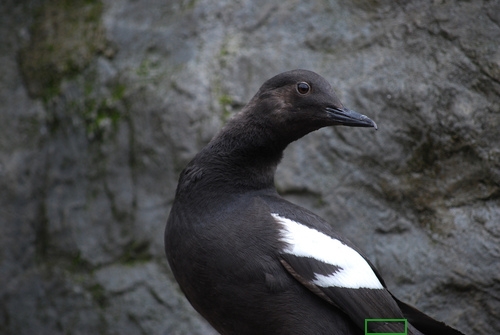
(65, 36)
(118, 92)
(100, 119)
(226, 102)
(320, 201)
(228, 48)
(143, 69)
(78, 264)
(147, 68)
(189, 4)
(98, 294)
(136, 252)
(100, 112)
(224, 51)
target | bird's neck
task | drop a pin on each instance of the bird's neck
(242, 156)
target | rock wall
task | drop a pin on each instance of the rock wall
(102, 103)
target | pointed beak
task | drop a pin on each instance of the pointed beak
(346, 117)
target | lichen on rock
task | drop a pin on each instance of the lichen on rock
(65, 37)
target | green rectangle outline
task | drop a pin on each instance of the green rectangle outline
(386, 320)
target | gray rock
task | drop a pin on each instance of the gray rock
(103, 104)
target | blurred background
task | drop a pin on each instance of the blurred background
(102, 104)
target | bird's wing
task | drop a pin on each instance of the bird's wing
(338, 274)
(335, 271)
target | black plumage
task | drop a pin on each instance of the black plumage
(253, 263)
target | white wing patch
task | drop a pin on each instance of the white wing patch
(303, 241)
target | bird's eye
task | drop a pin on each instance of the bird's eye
(303, 88)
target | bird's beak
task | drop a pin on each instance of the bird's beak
(346, 117)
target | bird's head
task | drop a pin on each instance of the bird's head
(302, 101)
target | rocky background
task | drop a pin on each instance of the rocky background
(102, 103)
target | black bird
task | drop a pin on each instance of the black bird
(251, 262)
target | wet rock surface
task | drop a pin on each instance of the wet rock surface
(103, 103)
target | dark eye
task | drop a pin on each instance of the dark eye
(303, 88)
